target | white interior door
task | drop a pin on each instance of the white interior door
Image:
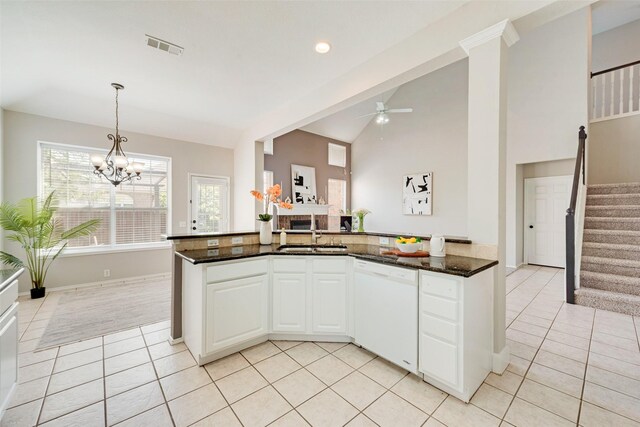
(209, 204)
(546, 201)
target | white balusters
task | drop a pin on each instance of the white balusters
(631, 71)
(604, 85)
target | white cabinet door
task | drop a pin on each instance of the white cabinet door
(289, 302)
(8, 355)
(329, 305)
(236, 311)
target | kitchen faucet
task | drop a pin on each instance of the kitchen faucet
(314, 236)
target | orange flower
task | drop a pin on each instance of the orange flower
(285, 205)
(258, 195)
(275, 190)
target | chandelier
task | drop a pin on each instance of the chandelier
(115, 167)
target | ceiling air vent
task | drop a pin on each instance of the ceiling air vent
(157, 43)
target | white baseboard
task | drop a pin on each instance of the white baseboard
(106, 283)
(174, 341)
(501, 360)
(516, 266)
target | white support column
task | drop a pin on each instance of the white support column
(487, 159)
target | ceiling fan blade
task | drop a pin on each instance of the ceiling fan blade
(401, 110)
(380, 106)
(367, 115)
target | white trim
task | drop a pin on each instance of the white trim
(501, 360)
(504, 29)
(617, 116)
(190, 176)
(107, 283)
(99, 250)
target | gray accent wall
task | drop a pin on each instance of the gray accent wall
(19, 178)
(306, 149)
(433, 138)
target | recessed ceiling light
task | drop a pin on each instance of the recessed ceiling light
(323, 47)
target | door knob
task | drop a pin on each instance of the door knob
(194, 221)
(193, 228)
(531, 226)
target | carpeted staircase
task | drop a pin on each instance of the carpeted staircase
(610, 269)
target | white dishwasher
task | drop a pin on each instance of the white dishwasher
(386, 312)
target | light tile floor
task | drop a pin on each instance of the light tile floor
(570, 365)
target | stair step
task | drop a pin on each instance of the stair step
(606, 223)
(623, 188)
(610, 282)
(610, 301)
(613, 199)
(611, 250)
(623, 237)
(621, 267)
(617, 211)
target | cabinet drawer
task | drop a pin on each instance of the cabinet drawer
(330, 265)
(289, 265)
(221, 273)
(8, 296)
(439, 360)
(439, 328)
(440, 286)
(439, 307)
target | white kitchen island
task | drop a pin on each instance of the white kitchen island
(436, 325)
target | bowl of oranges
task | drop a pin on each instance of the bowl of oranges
(408, 245)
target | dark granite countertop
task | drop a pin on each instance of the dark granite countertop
(449, 239)
(7, 276)
(451, 264)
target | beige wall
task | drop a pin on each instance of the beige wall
(548, 98)
(552, 168)
(616, 47)
(21, 135)
(306, 149)
(431, 139)
(614, 151)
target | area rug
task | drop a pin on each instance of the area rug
(92, 312)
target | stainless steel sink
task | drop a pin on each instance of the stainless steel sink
(310, 249)
(296, 249)
(331, 249)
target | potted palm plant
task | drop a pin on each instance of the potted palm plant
(33, 226)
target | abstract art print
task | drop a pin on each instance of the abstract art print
(417, 194)
(303, 184)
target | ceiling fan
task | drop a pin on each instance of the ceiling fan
(382, 112)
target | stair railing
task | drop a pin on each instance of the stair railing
(570, 221)
(614, 92)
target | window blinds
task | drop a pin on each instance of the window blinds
(132, 213)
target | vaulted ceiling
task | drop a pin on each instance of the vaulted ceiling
(241, 59)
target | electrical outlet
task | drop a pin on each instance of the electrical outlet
(107, 273)
(213, 252)
(384, 241)
(237, 251)
(236, 240)
(213, 242)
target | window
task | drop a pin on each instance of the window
(209, 204)
(337, 201)
(134, 213)
(337, 155)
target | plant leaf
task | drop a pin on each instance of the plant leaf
(84, 229)
(7, 258)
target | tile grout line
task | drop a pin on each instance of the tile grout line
(153, 366)
(586, 367)
(534, 356)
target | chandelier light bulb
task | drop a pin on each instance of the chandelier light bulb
(97, 160)
(120, 162)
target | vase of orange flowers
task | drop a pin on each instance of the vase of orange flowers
(269, 198)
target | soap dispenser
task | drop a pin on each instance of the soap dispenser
(283, 238)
